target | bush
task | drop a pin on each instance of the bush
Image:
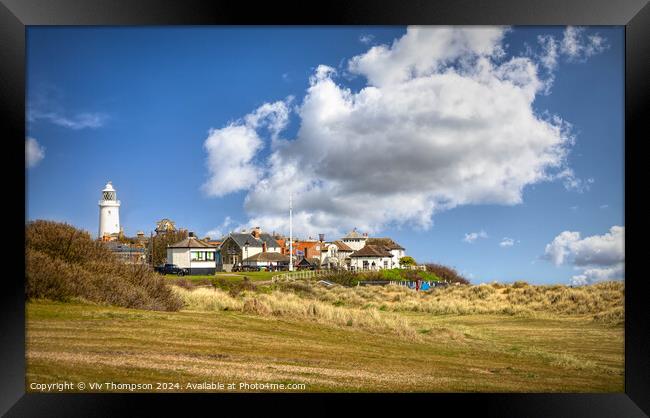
(445, 273)
(519, 284)
(344, 277)
(238, 287)
(407, 261)
(63, 263)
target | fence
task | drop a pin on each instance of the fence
(422, 267)
(308, 274)
(296, 275)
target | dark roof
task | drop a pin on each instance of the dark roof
(372, 251)
(270, 241)
(386, 242)
(268, 256)
(312, 261)
(190, 242)
(241, 238)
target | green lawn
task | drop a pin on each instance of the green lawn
(237, 276)
(488, 353)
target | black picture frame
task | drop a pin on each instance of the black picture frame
(15, 15)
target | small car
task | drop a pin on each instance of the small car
(171, 269)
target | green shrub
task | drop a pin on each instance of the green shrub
(392, 274)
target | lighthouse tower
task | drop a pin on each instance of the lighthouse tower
(109, 212)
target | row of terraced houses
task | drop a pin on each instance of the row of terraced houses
(258, 249)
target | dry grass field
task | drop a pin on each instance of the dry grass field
(489, 338)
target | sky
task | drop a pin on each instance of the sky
(498, 151)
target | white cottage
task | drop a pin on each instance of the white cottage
(372, 257)
(194, 255)
(390, 245)
(336, 255)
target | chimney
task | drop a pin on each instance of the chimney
(257, 231)
(263, 246)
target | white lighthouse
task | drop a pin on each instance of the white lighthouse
(109, 212)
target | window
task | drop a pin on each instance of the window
(198, 256)
(385, 264)
(202, 256)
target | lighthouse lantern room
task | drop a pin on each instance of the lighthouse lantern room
(109, 213)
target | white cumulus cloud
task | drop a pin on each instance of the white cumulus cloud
(473, 236)
(366, 38)
(425, 134)
(574, 46)
(599, 257)
(231, 150)
(221, 230)
(578, 47)
(34, 152)
(507, 242)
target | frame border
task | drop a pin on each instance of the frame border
(15, 15)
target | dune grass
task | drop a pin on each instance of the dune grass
(602, 302)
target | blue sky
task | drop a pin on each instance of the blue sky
(137, 105)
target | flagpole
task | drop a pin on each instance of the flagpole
(290, 233)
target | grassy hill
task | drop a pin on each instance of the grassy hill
(493, 353)
(342, 339)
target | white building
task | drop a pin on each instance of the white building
(394, 248)
(194, 255)
(336, 255)
(109, 212)
(373, 257)
(355, 240)
(365, 253)
(267, 259)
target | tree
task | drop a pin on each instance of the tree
(447, 274)
(407, 261)
(160, 243)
